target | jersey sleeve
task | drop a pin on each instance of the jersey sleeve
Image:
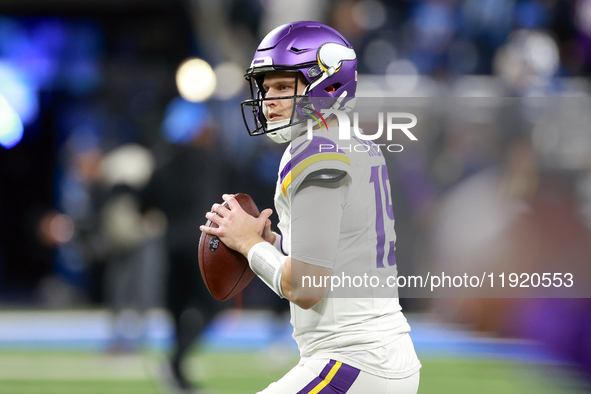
(306, 157)
(316, 214)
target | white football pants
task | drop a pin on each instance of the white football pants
(323, 376)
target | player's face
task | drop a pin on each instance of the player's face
(277, 85)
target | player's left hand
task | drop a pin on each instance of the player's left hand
(237, 229)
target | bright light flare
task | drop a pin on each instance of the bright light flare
(230, 80)
(56, 228)
(195, 80)
(19, 92)
(11, 126)
(402, 77)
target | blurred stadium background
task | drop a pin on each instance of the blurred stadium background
(95, 95)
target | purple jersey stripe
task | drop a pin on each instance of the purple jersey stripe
(316, 381)
(342, 381)
(327, 369)
(339, 384)
(310, 386)
(310, 150)
(281, 244)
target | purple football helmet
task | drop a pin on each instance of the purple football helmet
(321, 55)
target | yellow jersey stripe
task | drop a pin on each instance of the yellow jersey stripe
(308, 162)
(327, 379)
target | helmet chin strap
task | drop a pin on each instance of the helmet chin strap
(286, 134)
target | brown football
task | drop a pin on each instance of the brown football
(225, 271)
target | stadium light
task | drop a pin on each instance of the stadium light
(230, 80)
(195, 80)
(11, 125)
(19, 92)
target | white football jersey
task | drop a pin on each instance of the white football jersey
(362, 330)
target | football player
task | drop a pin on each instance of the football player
(336, 220)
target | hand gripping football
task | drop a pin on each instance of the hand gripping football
(225, 271)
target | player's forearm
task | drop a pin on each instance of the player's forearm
(286, 279)
(300, 296)
(248, 242)
(277, 271)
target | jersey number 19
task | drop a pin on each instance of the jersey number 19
(383, 220)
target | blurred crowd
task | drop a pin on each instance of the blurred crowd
(106, 172)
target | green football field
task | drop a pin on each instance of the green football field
(241, 373)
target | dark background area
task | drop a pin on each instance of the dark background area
(103, 73)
